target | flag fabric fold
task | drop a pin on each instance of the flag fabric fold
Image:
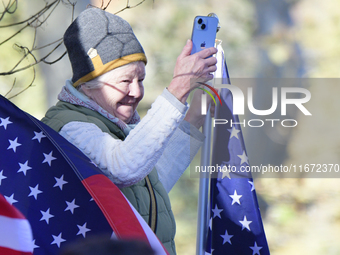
(235, 225)
(63, 195)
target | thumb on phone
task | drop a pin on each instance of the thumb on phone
(187, 49)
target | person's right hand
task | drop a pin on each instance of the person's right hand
(191, 71)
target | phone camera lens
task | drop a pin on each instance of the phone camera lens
(199, 21)
(203, 26)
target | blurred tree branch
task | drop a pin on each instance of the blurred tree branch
(32, 54)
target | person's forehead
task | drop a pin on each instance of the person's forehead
(134, 68)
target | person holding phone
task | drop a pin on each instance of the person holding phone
(97, 113)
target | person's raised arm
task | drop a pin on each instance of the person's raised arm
(191, 68)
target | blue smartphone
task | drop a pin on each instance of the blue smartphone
(203, 33)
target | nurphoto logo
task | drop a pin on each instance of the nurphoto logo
(302, 96)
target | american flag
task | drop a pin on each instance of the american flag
(15, 231)
(235, 225)
(63, 195)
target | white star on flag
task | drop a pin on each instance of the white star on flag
(46, 216)
(83, 229)
(60, 182)
(236, 198)
(24, 167)
(217, 212)
(5, 122)
(34, 245)
(11, 199)
(243, 157)
(226, 174)
(58, 240)
(256, 249)
(2, 176)
(245, 223)
(71, 206)
(226, 237)
(13, 144)
(38, 136)
(225, 171)
(48, 158)
(35, 191)
(252, 186)
(233, 132)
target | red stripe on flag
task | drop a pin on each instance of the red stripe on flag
(6, 209)
(19, 230)
(8, 251)
(114, 206)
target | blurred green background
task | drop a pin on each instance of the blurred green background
(261, 38)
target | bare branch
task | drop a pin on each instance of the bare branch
(48, 54)
(47, 45)
(55, 61)
(33, 19)
(15, 79)
(29, 53)
(34, 16)
(26, 53)
(24, 89)
(8, 7)
(73, 6)
(16, 33)
(34, 22)
(129, 7)
(107, 5)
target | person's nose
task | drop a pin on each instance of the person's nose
(136, 89)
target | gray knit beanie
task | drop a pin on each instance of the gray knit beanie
(97, 42)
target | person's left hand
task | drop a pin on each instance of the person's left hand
(194, 115)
